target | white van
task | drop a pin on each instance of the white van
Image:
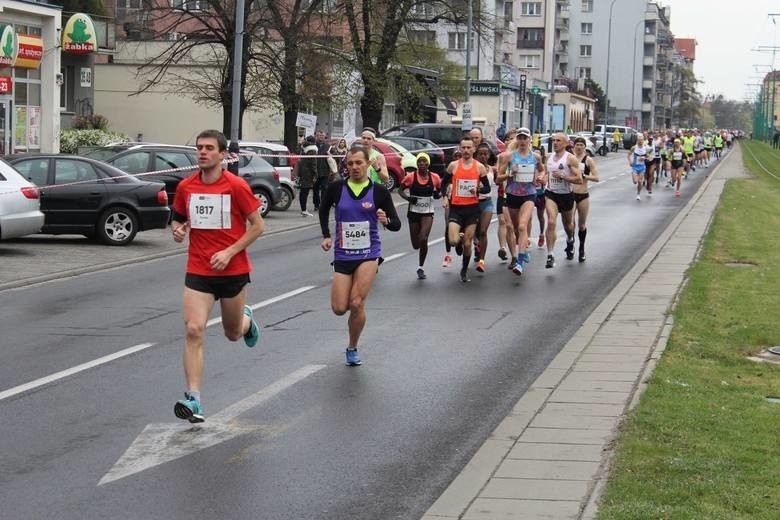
(627, 134)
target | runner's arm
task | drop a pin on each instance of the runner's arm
(594, 171)
(384, 201)
(576, 172)
(484, 180)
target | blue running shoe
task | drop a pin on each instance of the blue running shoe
(252, 336)
(518, 267)
(526, 257)
(189, 408)
(353, 358)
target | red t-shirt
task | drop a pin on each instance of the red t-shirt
(211, 230)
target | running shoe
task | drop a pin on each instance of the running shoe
(677, 193)
(581, 257)
(189, 409)
(528, 243)
(526, 257)
(512, 263)
(518, 268)
(353, 358)
(421, 274)
(464, 275)
(306, 214)
(481, 266)
(447, 261)
(550, 262)
(638, 197)
(459, 245)
(649, 193)
(569, 249)
(502, 254)
(253, 334)
(540, 243)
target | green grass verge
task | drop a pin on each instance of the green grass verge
(704, 443)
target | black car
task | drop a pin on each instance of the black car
(446, 136)
(416, 145)
(170, 164)
(83, 196)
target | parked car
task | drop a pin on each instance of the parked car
(589, 149)
(170, 164)
(80, 195)
(627, 134)
(597, 141)
(279, 156)
(20, 212)
(393, 160)
(416, 145)
(446, 136)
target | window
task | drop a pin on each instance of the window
(531, 8)
(585, 72)
(190, 5)
(586, 50)
(166, 160)
(587, 6)
(424, 37)
(68, 170)
(457, 41)
(34, 170)
(136, 162)
(421, 10)
(125, 7)
(586, 28)
(529, 61)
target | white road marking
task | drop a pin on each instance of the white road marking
(74, 370)
(160, 443)
(130, 350)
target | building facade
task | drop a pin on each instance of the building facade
(29, 77)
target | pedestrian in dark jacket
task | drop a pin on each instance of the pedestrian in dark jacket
(306, 173)
(323, 170)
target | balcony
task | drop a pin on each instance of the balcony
(650, 38)
(648, 61)
(530, 44)
(647, 107)
(647, 83)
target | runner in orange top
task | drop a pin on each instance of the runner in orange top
(469, 179)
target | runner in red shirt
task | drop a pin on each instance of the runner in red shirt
(214, 206)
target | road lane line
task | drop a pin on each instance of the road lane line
(130, 350)
(269, 301)
(74, 370)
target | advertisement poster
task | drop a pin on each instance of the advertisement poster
(33, 127)
(20, 131)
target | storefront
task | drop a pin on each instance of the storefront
(29, 77)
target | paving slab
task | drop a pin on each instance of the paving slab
(534, 489)
(567, 436)
(553, 451)
(549, 469)
(510, 509)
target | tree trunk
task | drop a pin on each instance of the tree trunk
(288, 96)
(372, 103)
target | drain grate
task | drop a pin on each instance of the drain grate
(774, 350)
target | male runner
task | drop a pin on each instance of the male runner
(469, 178)
(214, 206)
(637, 156)
(361, 205)
(563, 170)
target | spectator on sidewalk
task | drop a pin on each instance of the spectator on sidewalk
(306, 173)
(323, 169)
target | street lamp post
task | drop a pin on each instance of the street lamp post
(235, 105)
(633, 75)
(606, 90)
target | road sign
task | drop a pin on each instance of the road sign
(466, 124)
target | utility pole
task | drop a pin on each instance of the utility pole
(606, 90)
(235, 105)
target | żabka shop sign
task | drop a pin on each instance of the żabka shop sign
(8, 46)
(30, 51)
(78, 35)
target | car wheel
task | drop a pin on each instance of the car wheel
(603, 151)
(117, 226)
(286, 200)
(590, 154)
(265, 202)
(391, 182)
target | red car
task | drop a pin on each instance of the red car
(393, 160)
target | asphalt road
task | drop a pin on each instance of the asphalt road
(291, 432)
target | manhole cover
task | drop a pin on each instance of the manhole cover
(773, 400)
(774, 350)
(739, 264)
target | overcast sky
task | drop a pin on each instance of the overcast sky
(726, 31)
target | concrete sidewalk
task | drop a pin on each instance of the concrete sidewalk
(550, 457)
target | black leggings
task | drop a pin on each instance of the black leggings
(303, 195)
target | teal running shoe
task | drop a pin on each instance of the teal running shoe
(252, 336)
(189, 408)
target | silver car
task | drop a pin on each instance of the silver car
(20, 212)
